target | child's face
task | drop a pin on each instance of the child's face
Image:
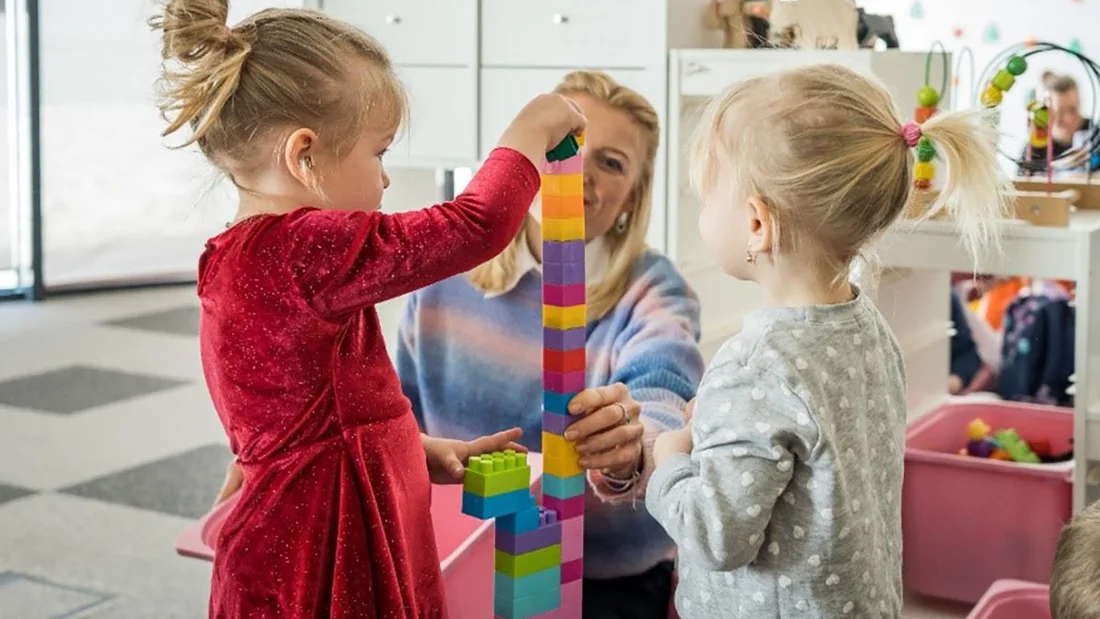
(356, 181)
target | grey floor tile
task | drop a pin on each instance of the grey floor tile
(177, 321)
(78, 387)
(181, 485)
(10, 493)
(27, 597)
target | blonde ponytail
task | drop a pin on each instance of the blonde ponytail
(975, 193)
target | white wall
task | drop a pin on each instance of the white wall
(988, 27)
(116, 202)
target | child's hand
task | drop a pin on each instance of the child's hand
(541, 125)
(671, 443)
(689, 411)
(447, 458)
(233, 479)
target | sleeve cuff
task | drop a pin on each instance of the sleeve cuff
(607, 493)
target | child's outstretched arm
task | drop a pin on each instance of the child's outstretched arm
(716, 503)
(345, 261)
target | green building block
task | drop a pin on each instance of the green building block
(1016, 447)
(518, 566)
(564, 150)
(497, 473)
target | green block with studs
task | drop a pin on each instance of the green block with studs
(497, 473)
(518, 566)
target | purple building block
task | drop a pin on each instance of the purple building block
(557, 339)
(563, 252)
(520, 543)
(563, 274)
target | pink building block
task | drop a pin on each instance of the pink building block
(572, 539)
(566, 508)
(572, 165)
(574, 570)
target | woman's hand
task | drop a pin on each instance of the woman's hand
(447, 457)
(233, 480)
(673, 442)
(609, 436)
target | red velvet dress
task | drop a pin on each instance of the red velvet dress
(333, 519)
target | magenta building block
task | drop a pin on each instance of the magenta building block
(566, 508)
(563, 296)
(572, 571)
(568, 382)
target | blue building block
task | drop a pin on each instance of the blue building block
(556, 402)
(530, 606)
(497, 505)
(523, 521)
(510, 588)
(563, 487)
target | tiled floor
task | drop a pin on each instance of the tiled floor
(108, 449)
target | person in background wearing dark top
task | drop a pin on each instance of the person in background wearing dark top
(1065, 122)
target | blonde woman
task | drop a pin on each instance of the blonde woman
(470, 351)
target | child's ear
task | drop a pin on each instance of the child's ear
(298, 155)
(761, 225)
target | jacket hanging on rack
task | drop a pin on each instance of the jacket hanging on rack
(1038, 350)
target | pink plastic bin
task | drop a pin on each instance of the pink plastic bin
(968, 522)
(466, 547)
(1013, 599)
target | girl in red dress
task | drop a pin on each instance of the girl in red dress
(297, 110)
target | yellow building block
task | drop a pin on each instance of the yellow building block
(561, 467)
(562, 185)
(555, 446)
(564, 317)
(563, 229)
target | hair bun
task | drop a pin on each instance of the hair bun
(193, 29)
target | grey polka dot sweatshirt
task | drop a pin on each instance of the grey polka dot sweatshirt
(790, 502)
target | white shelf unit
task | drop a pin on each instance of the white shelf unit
(926, 250)
(469, 65)
(696, 75)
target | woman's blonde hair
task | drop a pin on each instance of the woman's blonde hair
(626, 246)
(278, 70)
(823, 147)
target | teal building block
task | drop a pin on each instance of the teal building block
(498, 505)
(564, 150)
(523, 521)
(563, 487)
(516, 588)
(529, 606)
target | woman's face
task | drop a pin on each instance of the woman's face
(1066, 113)
(614, 153)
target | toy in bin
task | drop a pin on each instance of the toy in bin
(1007, 445)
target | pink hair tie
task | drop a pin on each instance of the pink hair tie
(911, 132)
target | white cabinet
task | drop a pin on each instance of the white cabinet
(505, 91)
(442, 127)
(416, 32)
(564, 33)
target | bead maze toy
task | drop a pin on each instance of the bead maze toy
(540, 549)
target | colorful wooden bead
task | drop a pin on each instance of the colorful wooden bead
(992, 96)
(922, 184)
(925, 150)
(928, 96)
(1039, 138)
(1003, 80)
(1041, 118)
(1017, 65)
(924, 171)
(923, 113)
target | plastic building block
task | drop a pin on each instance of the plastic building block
(563, 295)
(561, 252)
(539, 582)
(562, 467)
(564, 383)
(573, 165)
(555, 423)
(557, 403)
(527, 563)
(1016, 447)
(563, 229)
(551, 186)
(573, 570)
(523, 521)
(497, 473)
(563, 273)
(554, 447)
(563, 360)
(529, 606)
(562, 207)
(565, 149)
(520, 543)
(563, 339)
(562, 487)
(566, 508)
(572, 539)
(484, 508)
(564, 317)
